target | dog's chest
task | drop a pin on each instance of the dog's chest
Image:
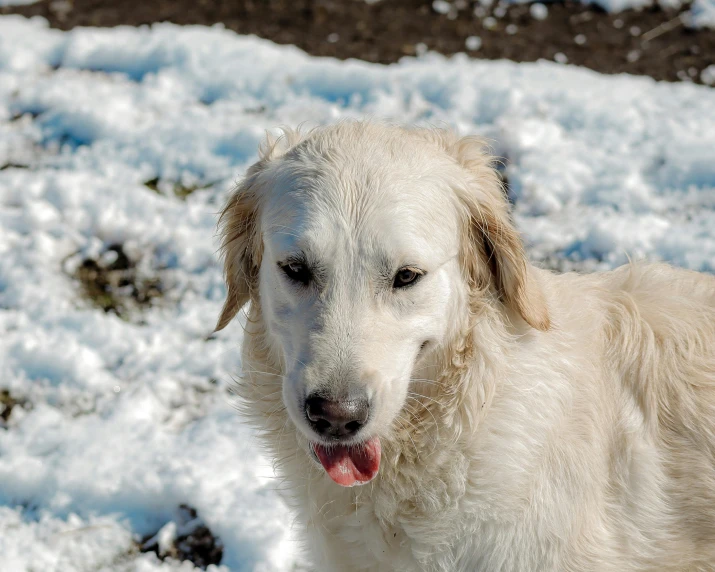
(361, 535)
(461, 512)
(453, 539)
(412, 521)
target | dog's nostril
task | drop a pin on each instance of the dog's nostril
(336, 418)
(321, 425)
(353, 426)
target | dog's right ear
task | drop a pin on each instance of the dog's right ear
(241, 244)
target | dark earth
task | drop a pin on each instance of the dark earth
(199, 546)
(653, 41)
(7, 403)
(114, 284)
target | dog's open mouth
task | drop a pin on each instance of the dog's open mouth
(350, 465)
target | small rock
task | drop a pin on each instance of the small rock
(441, 6)
(560, 58)
(538, 11)
(473, 43)
(707, 76)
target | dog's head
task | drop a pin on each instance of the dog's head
(365, 246)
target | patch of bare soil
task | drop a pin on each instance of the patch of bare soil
(8, 402)
(173, 188)
(113, 282)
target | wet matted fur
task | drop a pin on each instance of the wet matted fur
(528, 420)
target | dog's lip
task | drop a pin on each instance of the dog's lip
(338, 443)
(312, 443)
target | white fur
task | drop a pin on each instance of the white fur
(553, 422)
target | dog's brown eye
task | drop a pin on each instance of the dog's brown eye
(296, 271)
(405, 277)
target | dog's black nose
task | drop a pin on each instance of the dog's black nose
(336, 419)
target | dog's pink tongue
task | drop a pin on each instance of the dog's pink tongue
(353, 465)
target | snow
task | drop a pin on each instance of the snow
(473, 43)
(441, 6)
(16, 2)
(702, 14)
(127, 419)
(707, 76)
(539, 11)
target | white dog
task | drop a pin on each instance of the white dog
(505, 418)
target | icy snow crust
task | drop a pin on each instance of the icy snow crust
(702, 14)
(16, 2)
(128, 419)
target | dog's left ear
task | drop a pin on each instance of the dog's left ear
(493, 237)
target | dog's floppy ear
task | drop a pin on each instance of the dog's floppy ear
(241, 244)
(240, 248)
(492, 234)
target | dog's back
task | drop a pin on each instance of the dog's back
(661, 336)
(656, 332)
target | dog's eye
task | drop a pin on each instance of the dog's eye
(296, 271)
(405, 277)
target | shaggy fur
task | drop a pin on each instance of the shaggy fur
(554, 422)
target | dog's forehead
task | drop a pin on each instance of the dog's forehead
(366, 199)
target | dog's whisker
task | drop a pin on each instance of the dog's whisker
(428, 382)
(421, 430)
(412, 397)
(400, 419)
(419, 396)
(262, 372)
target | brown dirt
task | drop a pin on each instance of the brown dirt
(7, 403)
(649, 42)
(114, 283)
(172, 188)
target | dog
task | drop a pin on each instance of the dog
(498, 416)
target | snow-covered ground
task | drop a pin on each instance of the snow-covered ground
(126, 419)
(16, 2)
(702, 14)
